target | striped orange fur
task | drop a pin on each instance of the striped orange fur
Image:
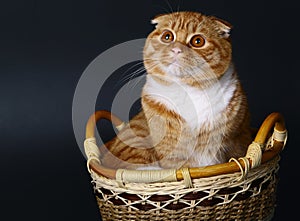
(194, 111)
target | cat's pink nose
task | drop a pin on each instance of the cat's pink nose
(176, 50)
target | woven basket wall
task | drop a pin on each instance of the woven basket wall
(224, 197)
(241, 190)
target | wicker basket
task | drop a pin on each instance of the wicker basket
(242, 189)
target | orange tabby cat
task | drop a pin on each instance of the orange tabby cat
(194, 111)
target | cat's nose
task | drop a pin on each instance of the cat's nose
(176, 50)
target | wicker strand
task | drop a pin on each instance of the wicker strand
(187, 178)
(247, 165)
(279, 136)
(254, 153)
(119, 178)
(92, 151)
(145, 176)
(241, 168)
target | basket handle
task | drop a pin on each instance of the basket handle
(91, 148)
(91, 124)
(274, 121)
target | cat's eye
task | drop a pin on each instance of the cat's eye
(197, 41)
(167, 36)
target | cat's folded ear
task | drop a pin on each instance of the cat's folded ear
(158, 18)
(224, 27)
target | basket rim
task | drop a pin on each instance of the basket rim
(274, 121)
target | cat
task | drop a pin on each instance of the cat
(194, 110)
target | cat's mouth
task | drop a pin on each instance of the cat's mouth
(172, 61)
(175, 65)
(175, 68)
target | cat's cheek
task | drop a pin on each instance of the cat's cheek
(153, 44)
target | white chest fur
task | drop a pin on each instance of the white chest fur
(197, 107)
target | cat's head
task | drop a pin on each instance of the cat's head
(188, 45)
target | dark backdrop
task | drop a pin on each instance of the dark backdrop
(46, 45)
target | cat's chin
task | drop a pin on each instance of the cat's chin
(174, 70)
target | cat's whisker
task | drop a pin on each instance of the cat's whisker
(178, 5)
(168, 10)
(125, 76)
(138, 72)
(140, 79)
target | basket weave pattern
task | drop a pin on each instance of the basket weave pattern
(242, 189)
(223, 197)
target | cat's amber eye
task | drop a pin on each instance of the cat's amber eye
(197, 41)
(167, 36)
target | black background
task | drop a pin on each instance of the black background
(46, 45)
